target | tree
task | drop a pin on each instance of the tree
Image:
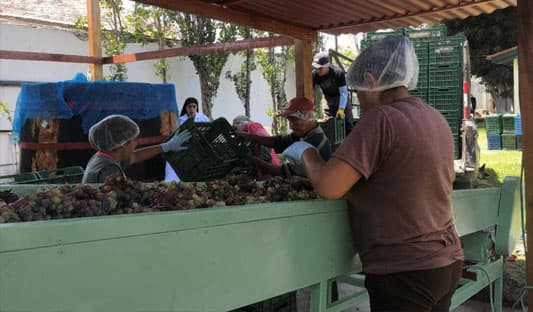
(151, 23)
(488, 34)
(115, 38)
(241, 79)
(274, 65)
(198, 30)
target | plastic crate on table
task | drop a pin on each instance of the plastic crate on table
(447, 50)
(422, 52)
(61, 175)
(493, 123)
(334, 128)
(494, 141)
(445, 76)
(214, 151)
(509, 123)
(23, 178)
(509, 141)
(450, 99)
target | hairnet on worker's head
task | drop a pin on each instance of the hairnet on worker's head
(112, 132)
(240, 121)
(392, 62)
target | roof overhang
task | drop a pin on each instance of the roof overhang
(301, 19)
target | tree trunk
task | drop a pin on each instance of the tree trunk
(206, 95)
(247, 101)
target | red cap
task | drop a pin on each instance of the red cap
(296, 104)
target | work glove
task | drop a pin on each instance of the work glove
(175, 144)
(294, 152)
(340, 113)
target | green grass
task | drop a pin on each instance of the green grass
(499, 163)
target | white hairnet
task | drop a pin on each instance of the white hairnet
(240, 121)
(112, 132)
(391, 61)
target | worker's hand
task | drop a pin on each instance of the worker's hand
(340, 113)
(295, 151)
(176, 143)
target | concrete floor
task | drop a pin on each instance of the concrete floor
(345, 290)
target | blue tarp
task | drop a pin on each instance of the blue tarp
(92, 101)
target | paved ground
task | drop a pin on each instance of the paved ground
(344, 290)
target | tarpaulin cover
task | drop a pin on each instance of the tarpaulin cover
(92, 101)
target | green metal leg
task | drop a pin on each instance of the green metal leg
(319, 297)
(498, 292)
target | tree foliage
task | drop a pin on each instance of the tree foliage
(115, 39)
(151, 23)
(198, 30)
(488, 34)
(274, 65)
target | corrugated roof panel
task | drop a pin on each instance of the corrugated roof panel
(344, 16)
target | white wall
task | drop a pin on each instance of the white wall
(182, 73)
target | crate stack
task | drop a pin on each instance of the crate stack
(440, 76)
(512, 132)
(494, 127)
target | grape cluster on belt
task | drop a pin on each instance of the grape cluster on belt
(120, 195)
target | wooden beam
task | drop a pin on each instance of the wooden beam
(222, 13)
(95, 38)
(211, 48)
(304, 78)
(525, 68)
(50, 57)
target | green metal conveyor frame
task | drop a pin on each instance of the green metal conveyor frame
(218, 259)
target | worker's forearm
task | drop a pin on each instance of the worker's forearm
(145, 153)
(266, 166)
(343, 98)
(267, 141)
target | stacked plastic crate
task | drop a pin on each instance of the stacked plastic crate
(512, 132)
(440, 77)
(494, 126)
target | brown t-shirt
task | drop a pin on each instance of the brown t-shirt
(400, 209)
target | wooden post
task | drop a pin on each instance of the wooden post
(95, 38)
(303, 58)
(525, 64)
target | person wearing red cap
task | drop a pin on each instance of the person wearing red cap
(302, 121)
(332, 81)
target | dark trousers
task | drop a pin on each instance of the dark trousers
(332, 109)
(414, 291)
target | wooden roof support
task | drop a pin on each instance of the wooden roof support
(50, 57)
(525, 65)
(222, 13)
(303, 58)
(95, 38)
(211, 48)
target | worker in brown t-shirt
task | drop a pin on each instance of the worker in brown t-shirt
(396, 170)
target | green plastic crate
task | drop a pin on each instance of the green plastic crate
(446, 99)
(509, 141)
(426, 34)
(23, 178)
(494, 123)
(420, 92)
(214, 151)
(61, 175)
(423, 77)
(373, 37)
(509, 123)
(422, 52)
(445, 76)
(518, 141)
(334, 128)
(447, 51)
